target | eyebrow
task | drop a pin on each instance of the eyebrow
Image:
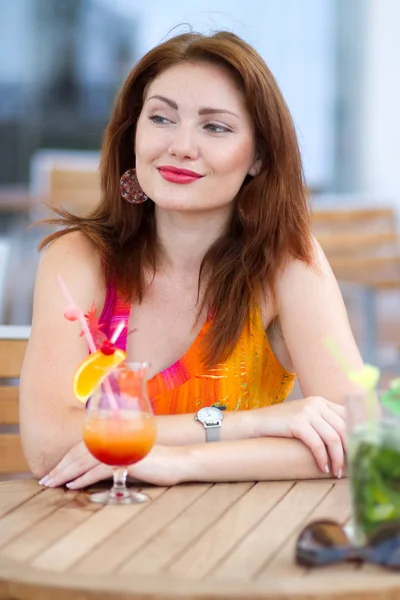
(207, 110)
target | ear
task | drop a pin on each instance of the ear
(255, 167)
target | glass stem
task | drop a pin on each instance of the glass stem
(119, 489)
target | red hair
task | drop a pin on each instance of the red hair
(270, 224)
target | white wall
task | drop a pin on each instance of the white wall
(379, 143)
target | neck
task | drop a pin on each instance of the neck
(186, 237)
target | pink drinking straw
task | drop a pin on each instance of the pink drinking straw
(118, 330)
(89, 338)
(79, 313)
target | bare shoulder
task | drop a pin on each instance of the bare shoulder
(74, 247)
(72, 252)
(297, 274)
(78, 261)
(295, 279)
(309, 294)
(55, 346)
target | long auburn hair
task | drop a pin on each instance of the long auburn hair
(269, 226)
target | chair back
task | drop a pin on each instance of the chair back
(361, 243)
(67, 178)
(13, 341)
(78, 191)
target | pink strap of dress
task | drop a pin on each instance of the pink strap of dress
(114, 311)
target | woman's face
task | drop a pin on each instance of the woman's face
(195, 140)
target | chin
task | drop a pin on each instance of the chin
(180, 207)
(189, 203)
(181, 204)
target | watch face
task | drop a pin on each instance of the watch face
(209, 415)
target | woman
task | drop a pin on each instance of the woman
(202, 238)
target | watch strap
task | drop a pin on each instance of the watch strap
(213, 433)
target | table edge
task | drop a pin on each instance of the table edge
(14, 580)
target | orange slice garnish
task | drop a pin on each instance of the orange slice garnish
(92, 371)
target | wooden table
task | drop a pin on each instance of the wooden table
(232, 541)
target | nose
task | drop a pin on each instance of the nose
(183, 143)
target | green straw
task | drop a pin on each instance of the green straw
(367, 378)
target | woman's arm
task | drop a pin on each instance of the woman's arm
(311, 311)
(259, 459)
(49, 413)
(241, 460)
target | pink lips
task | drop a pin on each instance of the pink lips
(176, 175)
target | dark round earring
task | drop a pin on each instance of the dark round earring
(130, 188)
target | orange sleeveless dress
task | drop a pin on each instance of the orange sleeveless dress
(250, 378)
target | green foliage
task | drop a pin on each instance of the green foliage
(374, 451)
(375, 479)
(391, 399)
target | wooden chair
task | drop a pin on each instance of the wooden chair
(362, 244)
(76, 190)
(13, 341)
(363, 249)
(68, 178)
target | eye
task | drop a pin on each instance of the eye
(216, 128)
(159, 120)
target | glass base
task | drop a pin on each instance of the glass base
(120, 497)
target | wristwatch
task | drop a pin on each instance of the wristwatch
(211, 419)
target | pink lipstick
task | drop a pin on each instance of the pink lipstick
(175, 175)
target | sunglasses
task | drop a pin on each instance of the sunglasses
(326, 542)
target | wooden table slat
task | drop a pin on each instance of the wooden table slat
(31, 512)
(336, 503)
(71, 548)
(259, 546)
(42, 535)
(16, 492)
(156, 516)
(181, 533)
(202, 556)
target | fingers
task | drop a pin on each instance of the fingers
(321, 425)
(311, 438)
(339, 409)
(98, 473)
(74, 464)
(339, 425)
(333, 441)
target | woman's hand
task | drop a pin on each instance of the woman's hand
(317, 422)
(77, 463)
(78, 468)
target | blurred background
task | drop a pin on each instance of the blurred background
(62, 62)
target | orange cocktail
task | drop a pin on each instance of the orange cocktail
(119, 440)
(120, 428)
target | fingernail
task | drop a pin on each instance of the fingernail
(339, 474)
(49, 482)
(44, 480)
(70, 485)
(326, 469)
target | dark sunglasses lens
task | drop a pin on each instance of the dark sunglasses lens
(321, 543)
(383, 547)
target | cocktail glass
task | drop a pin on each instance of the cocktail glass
(119, 428)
